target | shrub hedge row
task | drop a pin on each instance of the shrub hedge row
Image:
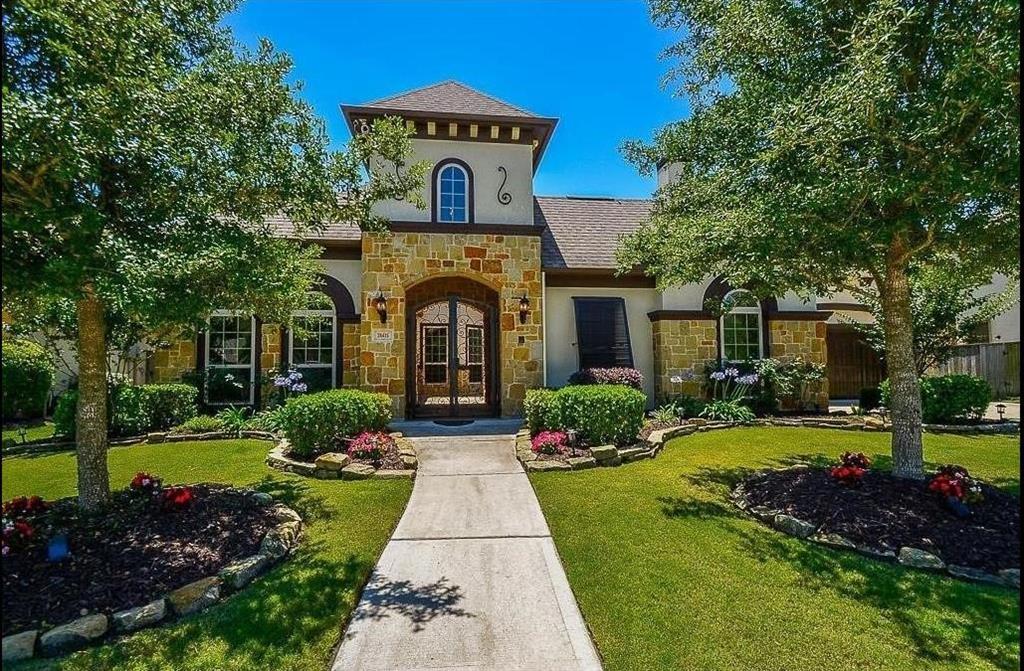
(134, 409)
(947, 399)
(598, 414)
(27, 377)
(317, 423)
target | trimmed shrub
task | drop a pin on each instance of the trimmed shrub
(947, 399)
(630, 377)
(598, 414)
(541, 410)
(133, 409)
(316, 423)
(27, 378)
(199, 424)
(170, 404)
(870, 398)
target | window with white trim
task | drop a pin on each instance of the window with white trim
(452, 194)
(742, 337)
(311, 343)
(230, 358)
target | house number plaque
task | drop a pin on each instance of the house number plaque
(382, 336)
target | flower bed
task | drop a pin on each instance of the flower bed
(369, 455)
(156, 552)
(950, 522)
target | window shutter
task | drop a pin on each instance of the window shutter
(602, 333)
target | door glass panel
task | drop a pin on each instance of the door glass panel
(451, 359)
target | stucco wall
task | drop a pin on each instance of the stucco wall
(560, 330)
(508, 264)
(484, 160)
(347, 271)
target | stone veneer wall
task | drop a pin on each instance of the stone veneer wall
(510, 264)
(171, 361)
(804, 338)
(350, 353)
(681, 346)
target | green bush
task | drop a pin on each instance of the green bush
(870, 398)
(171, 404)
(541, 410)
(949, 399)
(199, 424)
(316, 423)
(598, 414)
(27, 378)
(133, 409)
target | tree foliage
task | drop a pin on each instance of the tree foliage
(832, 140)
(145, 155)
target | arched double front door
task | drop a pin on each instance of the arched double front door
(451, 360)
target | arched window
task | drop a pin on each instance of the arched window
(742, 338)
(311, 342)
(452, 188)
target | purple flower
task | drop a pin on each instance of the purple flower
(294, 376)
(718, 376)
(300, 387)
(732, 372)
(280, 381)
(748, 379)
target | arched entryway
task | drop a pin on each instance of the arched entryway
(451, 358)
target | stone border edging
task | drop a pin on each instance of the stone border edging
(152, 438)
(907, 556)
(339, 466)
(194, 597)
(610, 455)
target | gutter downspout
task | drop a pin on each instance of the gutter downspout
(544, 326)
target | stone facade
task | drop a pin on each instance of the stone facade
(350, 353)
(682, 346)
(804, 338)
(170, 361)
(508, 264)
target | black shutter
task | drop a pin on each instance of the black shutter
(602, 333)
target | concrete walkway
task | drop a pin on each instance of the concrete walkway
(470, 580)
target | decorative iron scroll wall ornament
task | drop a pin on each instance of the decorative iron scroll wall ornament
(504, 197)
(360, 126)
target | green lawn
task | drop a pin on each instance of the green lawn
(33, 431)
(671, 576)
(289, 619)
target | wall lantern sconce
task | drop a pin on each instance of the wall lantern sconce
(1001, 409)
(380, 304)
(524, 308)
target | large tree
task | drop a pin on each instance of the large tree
(143, 150)
(829, 140)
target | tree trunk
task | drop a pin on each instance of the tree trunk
(905, 390)
(91, 417)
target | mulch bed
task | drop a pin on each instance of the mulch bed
(128, 555)
(889, 512)
(390, 460)
(578, 452)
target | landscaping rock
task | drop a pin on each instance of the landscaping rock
(976, 575)
(396, 434)
(787, 422)
(156, 437)
(238, 574)
(793, 526)
(263, 497)
(580, 463)
(395, 474)
(405, 447)
(633, 454)
(133, 619)
(333, 461)
(286, 514)
(409, 461)
(834, 540)
(604, 452)
(920, 559)
(873, 424)
(280, 540)
(301, 467)
(1010, 577)
(548, 465)
(73, 635)
(357, 472)
(614, 461)
(527, 455)
(197, 595)
(17, 647)
(321, 474)
(880, 553)
(697, 421)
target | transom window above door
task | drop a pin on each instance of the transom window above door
(453, 193)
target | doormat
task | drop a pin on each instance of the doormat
(453, 422)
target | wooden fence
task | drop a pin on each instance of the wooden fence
(998, 363)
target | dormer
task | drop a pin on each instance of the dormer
(483, 151)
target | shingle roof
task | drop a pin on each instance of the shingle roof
(282, 226)
(585, 232)
(449, 97)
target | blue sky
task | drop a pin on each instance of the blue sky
(594, 65)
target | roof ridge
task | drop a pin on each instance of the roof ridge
(454, 82)
(601, 198)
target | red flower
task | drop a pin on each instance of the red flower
(144, 482)
(177, 498)
(847, 475)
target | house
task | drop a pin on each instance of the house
(493, 290)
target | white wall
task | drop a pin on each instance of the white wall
(691, 297)
(483, 159)
(350, 273)
(560, 330)
(668, 173)
(1005, 327)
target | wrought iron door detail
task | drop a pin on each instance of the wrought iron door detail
(452, 357)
